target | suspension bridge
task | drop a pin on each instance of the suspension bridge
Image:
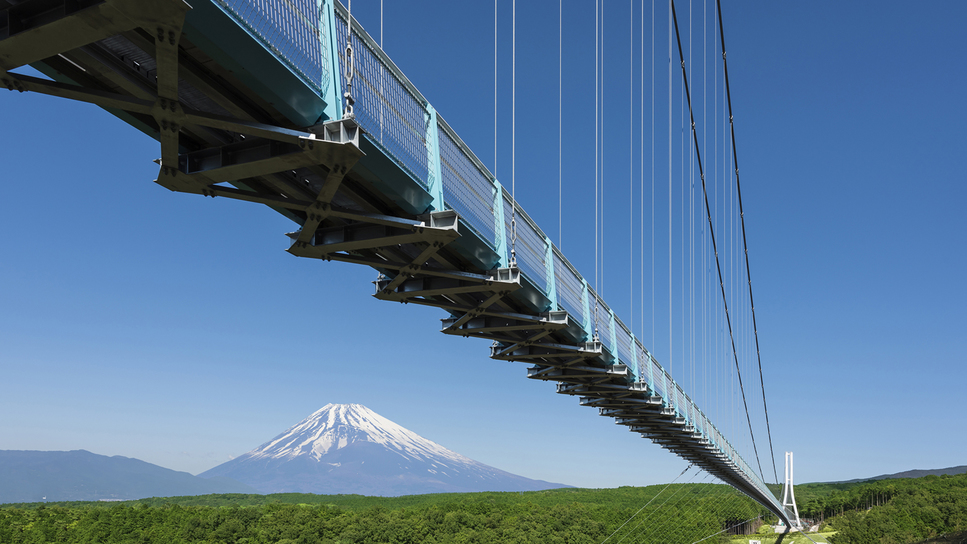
(293, 105)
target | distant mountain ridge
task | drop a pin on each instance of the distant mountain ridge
(917, 473)
(79, 475)
(349, 449)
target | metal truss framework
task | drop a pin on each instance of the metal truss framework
(220, 139)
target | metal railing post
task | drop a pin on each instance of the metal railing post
(551, 276)
(614, 337)
(585, 299)
(634, 357)
(668, 397)
(435, 182)
(500, 230)
(332, 95)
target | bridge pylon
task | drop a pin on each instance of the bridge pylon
(788, 495)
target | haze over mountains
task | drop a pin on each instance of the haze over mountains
(916, 473)
(348, 448)
(339, 449)
(32, 476)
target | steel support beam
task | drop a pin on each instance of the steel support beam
(33, 32)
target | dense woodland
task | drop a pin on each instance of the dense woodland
(899, 511)
(688, 511)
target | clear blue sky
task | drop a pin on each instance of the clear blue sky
(175, 329)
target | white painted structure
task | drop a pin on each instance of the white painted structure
(788, 495)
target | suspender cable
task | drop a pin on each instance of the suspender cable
(691, 233)
(708, 212)
(560, 101)
(513, 143)
(641, 171)
(671, 343)
(715, 159)
(601, 105)
(681, 217)
(495, 95)
(350, 66)
(631, 159)
(738, 189)
(704, 245)
(597, 81)
(641, 157)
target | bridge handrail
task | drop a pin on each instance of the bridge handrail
(570, 287)
(292, 34)
(468, 186)
(392, 111)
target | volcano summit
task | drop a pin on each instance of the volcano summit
(348, 448)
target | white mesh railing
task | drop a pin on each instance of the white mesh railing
(291, 29)
(602, 319)
(531, 250)
(624, 344)
(394, 116)
(531, 247)
(466, 189)
(570, 288)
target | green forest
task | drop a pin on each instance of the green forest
(898, 511)
(683, 512)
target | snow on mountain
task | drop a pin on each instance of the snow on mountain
(348, 448)
(335, 426)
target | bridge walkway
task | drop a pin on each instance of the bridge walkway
(245, 104)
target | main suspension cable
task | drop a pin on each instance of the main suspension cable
(738, 190)
(652, 175)
(708, 212)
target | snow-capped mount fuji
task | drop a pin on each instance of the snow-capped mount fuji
(337, 426)
(348, 448)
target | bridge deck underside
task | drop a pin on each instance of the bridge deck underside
(221, 137)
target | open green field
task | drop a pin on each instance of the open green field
(792, 538)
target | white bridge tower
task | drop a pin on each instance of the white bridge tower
(788, 495)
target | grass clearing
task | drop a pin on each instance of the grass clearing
(791, 538)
